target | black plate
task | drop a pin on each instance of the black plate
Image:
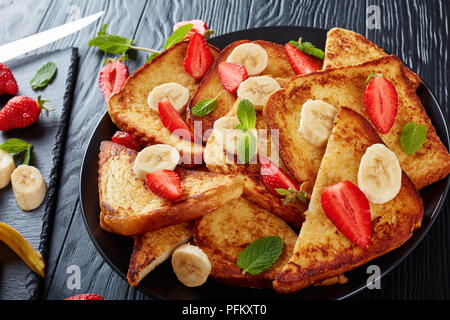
(162, 283)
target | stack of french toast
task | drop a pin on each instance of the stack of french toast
(327, 164)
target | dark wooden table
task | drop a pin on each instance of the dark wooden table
(417, 31)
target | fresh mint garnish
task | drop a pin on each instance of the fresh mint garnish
(178, 35)
(246, 115)
(260, 255)
(16, 146)
(413, 137)
(291, 195)
(205, 106)
(308, 48)
(247, 143)
(43, 76)
(152, 56)
(246, 147)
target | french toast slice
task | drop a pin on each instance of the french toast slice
(129, 111)
(322, 251)
(153, 248)
(346, 48)
(224, 233)
(129, 208)
(220, 161)
(278, 67)
(345, 87)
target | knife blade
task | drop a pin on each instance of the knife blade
(19, 47)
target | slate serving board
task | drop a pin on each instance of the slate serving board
(47, 136)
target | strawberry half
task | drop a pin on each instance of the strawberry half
(164, 183)
(127, 140)
(349, 210)
(199, 26)
(198, 57)
(86, 296)
(172, 120)
(112, 77)
(381, 102)
(231, 75)
(279, 182)
(20, 112)
(300, 62)
(8, 83)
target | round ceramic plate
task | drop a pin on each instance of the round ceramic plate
(162, 282)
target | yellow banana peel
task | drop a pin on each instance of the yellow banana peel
(22, 248)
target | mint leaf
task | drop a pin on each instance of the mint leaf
(204, 107)
(44, 75)
(308, 48)
(246, 147)
(111, 43)
(246, 115)
(413, 137)
(151, 57)
(16, 146)
(260, 255)
(178, 35)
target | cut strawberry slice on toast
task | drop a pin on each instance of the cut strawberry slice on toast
(322, 251)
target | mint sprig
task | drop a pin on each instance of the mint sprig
(247, 144)
(413, 137)
(308, 48)
(177, 35)
(246, 115)
(16, 146)
(205, 106)
(260, 255)
(43, 76)
(246, 147)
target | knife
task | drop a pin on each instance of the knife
(19, 47)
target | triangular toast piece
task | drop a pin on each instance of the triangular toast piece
(153, 248)
(345, 87)
(278, 67)
(347, 48)
(224, 233)
(322, 251)
(129, 110)
(129, 208)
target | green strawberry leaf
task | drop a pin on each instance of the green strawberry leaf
(260, 255)
(43, 76)
(308, 48)
(413, 137)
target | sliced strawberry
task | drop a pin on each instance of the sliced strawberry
(127, 140)
(164, 183)
(172, 120)
(381, 102)
(231, 74)
(8, 83)
(349, 210)
(300, 62)
(86, 296)
(198, 57)
(112, 77)
(199, 26)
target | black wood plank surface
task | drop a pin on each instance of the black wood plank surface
(415, 30)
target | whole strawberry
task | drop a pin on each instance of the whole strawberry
(21, 112)
(86, 296)
(8, 84)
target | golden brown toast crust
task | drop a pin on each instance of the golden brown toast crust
(129, 110)
(153, 248)
(345, 87)
(129, 208)
(224, 233)
(345, 48)
(277, 67)
(321, 250)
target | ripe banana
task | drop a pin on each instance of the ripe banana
(225, 133)
(379, 174)
(257, 90)
(22, 248)
(191, 265)
(176, 93)
(252, 56)
(154, 158)
(316, 121)
(28, 186)
(7, 166)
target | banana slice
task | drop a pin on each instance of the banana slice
(155, 158)
(176, 93)
(316, 121)
(252, 56)
(225, 133)
(7, 166)
(191, 265)
(28, 186)
(379, 174)
(257, 90)
(22, 248)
